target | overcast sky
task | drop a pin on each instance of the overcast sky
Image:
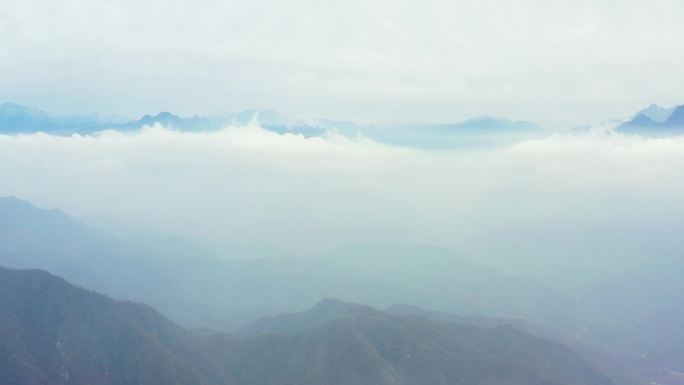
(557, 63)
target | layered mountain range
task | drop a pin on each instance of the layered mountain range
(55, 333)
(476, 132)
(626, 326)
(17, 119)
(196, 287)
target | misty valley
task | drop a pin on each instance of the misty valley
(252, 248)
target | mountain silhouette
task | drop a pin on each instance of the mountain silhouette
(643, 124)
(55, 333)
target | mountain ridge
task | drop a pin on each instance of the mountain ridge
(183, 282)
(655, 112)
(15, 118)
(56, 333)
(644, 124)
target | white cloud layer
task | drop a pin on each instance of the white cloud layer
(554, 62)
(245, 184)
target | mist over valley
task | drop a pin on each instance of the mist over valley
(381, 192)
(567, 236)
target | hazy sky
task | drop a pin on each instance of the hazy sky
(558, 63)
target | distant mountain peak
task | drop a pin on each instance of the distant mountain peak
(166, 115)
(656, 113)
(20, 109)
(656, 120)
(677, 117)
(162, 116)
(331, 307)
(12, 203)
(488, 118)
(488, 122)
(12, 198)
(641, 120)
(324, 311)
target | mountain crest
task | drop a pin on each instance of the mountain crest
(656, 113)
(655, 120)
(677, 117)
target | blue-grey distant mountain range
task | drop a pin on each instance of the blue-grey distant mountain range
(18, 119)
(656, 113)
(628, 326)
(475, 132)
(656, 120)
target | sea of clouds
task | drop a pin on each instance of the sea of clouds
(247, 185)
